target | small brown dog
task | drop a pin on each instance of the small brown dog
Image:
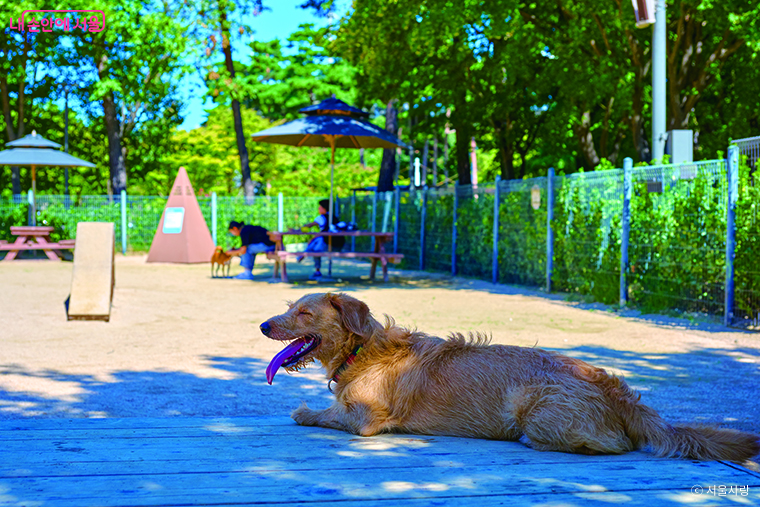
(220, 259)
(390, 379)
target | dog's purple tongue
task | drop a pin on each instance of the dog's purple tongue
(274, 365)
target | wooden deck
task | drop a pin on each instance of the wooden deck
(271, 461)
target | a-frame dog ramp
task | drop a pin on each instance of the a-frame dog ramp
(92, 279)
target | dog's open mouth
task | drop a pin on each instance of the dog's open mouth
(290, 355)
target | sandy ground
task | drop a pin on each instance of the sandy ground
(181, 343)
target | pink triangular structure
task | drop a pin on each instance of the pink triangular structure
(190, 241)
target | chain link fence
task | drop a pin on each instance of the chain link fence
(691, 244)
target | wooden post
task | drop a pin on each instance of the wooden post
(396, 218)
(732, 180)
(422, 227)
(454, 233)
(549, 232)
(626, 229)
(495, 268)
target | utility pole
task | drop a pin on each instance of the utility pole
(659, 100)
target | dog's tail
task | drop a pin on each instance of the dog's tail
(646, 428)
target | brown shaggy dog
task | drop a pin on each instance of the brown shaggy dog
(390, 379)
(220, 259)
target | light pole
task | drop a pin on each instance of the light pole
(659, 99)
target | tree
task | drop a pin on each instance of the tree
(136, 60)
(23, 55)
(281, 80)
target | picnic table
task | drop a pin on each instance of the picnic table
(280, 255)
(35, 238)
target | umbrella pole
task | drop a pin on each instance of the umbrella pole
(332, 181)
(34, 195)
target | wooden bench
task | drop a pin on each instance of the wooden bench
(35, 238)
(280, 257)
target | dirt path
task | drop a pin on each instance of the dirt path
(181, 343)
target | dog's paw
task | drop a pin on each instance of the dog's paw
(304, 416)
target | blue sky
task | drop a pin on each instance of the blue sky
(279, 22)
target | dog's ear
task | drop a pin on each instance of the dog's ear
(354, 314)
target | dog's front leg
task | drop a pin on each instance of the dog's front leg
(360, 420)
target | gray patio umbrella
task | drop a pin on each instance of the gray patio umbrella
(34, 150)
(330, 124)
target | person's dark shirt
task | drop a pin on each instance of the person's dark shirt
(254, 234)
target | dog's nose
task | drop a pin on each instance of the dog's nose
(265, 328)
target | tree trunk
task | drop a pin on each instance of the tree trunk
(425, 152)
(388, 165)
(463, 153)
(117, 164)
(506, 150)
(585, 139)
(236, 116)
(16, 180)
(12, 136)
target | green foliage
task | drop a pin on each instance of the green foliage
(522, 235)
(475, 234)
(587, 240)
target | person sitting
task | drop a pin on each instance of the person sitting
(320, 243)
(253, 239)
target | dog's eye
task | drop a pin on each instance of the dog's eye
(303, 312)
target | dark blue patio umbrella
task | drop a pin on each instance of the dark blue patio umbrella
(34, 150)
(331, 123)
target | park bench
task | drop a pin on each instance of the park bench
(280, 255)
(35, 238)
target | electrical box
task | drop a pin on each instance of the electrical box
(680, 146)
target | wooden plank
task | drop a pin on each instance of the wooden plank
(257, 483)
(287, 461)
(31, 230)
(92, 278)
(36, 246)
(193, 448)
(666, 498)
(143, 423)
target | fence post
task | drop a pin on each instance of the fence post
(626, 229)
(422, 227)
(280, 213)
(549, 231)
(353, 218)
(124, 222)
(454, 232)
(496, 197)
(732, 177)
(213, 217)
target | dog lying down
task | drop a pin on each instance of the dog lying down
(390, 379)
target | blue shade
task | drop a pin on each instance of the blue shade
(310, 131)
(333, 106)
(40, 157)
(32, 140)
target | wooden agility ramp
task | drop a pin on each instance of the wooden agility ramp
(92, 278)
